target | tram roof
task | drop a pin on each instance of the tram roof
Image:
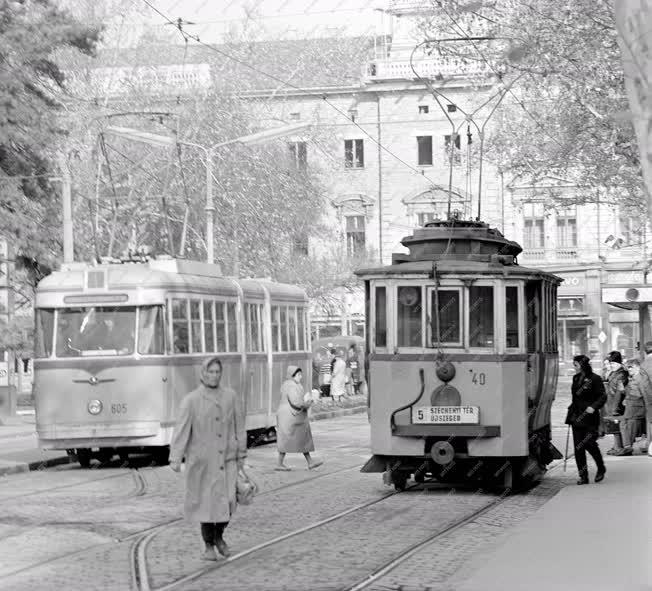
(164, 274)
(454, 266)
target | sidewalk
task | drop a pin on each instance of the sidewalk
(19, 450)
(587, 538)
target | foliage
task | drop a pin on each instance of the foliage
(565, 114)
(17, 335)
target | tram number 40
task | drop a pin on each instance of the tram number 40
(478, 378)
(118, 409)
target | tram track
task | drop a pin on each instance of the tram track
(140, 539)
(138, 553)
(406, 554)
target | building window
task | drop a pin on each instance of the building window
(425, 217)
(424, 148)
(457, 154)
(353, 114)
(300, 245)
(424, 109)
(566, 231)
(295, 116)
(354, 153)
(355, 234)
(533, 236)
(630, 230)
(299, 154)
(451, 108)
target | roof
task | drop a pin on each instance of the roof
(306, 63)
(453, 266)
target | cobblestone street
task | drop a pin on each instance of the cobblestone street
(120, 527)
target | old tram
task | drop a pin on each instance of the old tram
(462, 360)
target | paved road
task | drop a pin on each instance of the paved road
(120, 528)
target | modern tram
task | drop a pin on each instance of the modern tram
(118, 346)
(462, 360)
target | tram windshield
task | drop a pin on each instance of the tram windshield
(89, 331)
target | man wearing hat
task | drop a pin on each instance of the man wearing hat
(646, 369)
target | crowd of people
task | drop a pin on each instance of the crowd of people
(340, 372)
(618, 403)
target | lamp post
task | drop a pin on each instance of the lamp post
(209, 153)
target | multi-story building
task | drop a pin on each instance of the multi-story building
(395, 135)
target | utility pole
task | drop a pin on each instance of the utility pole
(66, 197)
(7, 387)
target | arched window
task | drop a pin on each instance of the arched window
(354, 211)
(432, 204)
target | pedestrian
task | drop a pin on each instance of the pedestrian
(210, 434)
(616, 380)
(353, 368)
(338, 381)
(293, 434)
(588, 396)
(325, 371)
(646, 371)
(633, 421)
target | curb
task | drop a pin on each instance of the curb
(340, 412)
(8, 467)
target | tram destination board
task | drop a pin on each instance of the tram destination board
(446, 415)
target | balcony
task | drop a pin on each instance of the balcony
(552, 255)
(432, 68)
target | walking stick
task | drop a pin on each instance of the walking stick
(566, 452)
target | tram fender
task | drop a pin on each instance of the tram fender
(375, 464)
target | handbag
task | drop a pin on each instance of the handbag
(245, 488)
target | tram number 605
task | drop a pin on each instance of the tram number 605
(119, 409)
(479, 378)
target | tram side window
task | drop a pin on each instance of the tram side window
(301, 328)
(381, 317)
(44, 332)
(292, 327)
(532, 298)
(448, 314)
(481, 316)
(276, 336)
(233, 326)
(410, 329)
(180, 335)
(284, 328)
(195, 325)
(209, 322)
(220, 326)
(511, 316)
(151, 331)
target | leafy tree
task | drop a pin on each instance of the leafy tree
(565, 115)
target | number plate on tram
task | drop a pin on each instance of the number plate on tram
(446, 415)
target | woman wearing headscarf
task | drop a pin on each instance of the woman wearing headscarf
(293, 434)
(338, 381)
(588, 397)
(616, 379)
(210, 433)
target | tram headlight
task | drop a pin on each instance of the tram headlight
(95, 407)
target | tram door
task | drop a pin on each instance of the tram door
(535, 357)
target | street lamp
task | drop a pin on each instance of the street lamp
(209, 152)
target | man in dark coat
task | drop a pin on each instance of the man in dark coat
(583, 417)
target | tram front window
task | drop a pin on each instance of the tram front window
(481, 316)
(92, 331)
(151, 332)
(409, 316)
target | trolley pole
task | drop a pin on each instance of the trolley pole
(66, 197)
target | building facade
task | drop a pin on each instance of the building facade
(394, 134)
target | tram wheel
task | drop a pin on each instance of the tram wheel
(105, 455)
(161, 455)
(84, 457)
(400, 481)
(124, 456)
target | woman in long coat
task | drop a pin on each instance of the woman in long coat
(338, 381)
(633, 420)
(210, 433)
(293, 434)
(584, 417)
(616, 379)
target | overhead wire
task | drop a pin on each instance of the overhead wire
(246, 64)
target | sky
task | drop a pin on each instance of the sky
(215, 19)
